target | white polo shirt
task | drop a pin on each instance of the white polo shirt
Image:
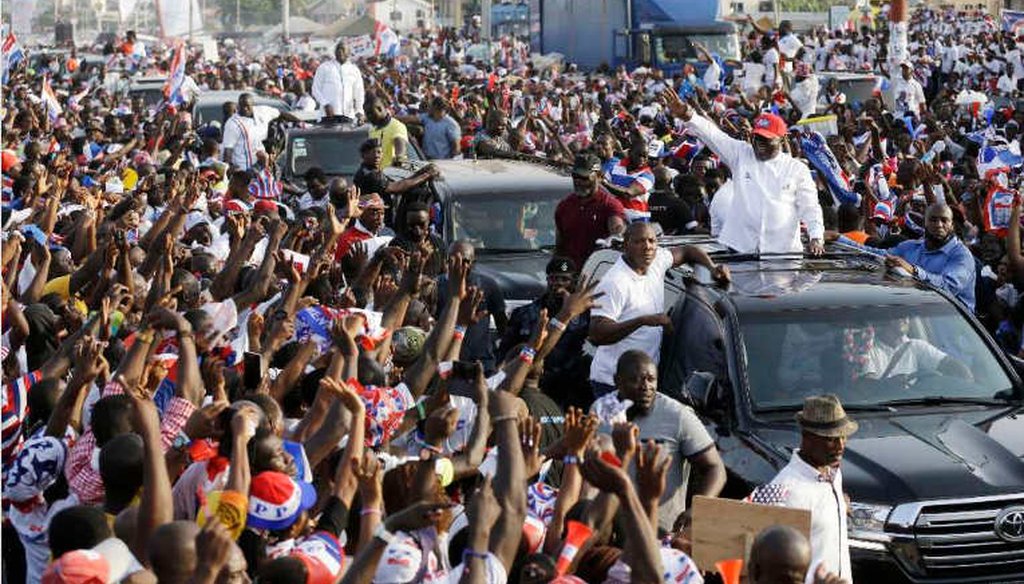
(628, 295)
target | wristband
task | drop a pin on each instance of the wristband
(421, 410)
(144, 337)
(556, 324)
(459, 333)
(383, 534)
(181, 441)
(370, 511)
(504, 418)
(527, 354)
(468, 554)
(570, 459)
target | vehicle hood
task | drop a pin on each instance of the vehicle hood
(912, 457)
(519, 275)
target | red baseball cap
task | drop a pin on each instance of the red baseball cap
(78, 567)
(770, 126)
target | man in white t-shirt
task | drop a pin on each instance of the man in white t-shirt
(632, 312)
(908, 92)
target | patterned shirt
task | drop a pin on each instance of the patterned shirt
(84, 480)
(15, 409)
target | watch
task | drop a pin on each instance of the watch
(383, 534)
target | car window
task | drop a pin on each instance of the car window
(513, 222)
(336, 154)
(208, 111)
(867, 355)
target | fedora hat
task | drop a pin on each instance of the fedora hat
(824, 415)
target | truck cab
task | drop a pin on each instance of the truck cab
(669, 48)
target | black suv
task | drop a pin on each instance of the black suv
(331, 144)
(935, 474)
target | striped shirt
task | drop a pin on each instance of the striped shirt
(84, 481)
(620, 176)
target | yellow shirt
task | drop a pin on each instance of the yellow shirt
(386, 136)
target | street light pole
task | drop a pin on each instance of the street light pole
(286, 10)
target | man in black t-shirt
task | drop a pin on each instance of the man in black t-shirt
(371, 179)
(666, 208)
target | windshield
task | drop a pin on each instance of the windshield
(336, 154)
(513, 222)
(209, 111)
(678, 48)
(866, 356)
(151, 95)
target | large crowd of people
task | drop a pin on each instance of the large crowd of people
(212, 375)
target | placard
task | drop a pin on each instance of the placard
(724, 529)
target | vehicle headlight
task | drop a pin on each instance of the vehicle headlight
(866, 525)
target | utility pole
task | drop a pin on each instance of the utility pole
(238, 15)
(190, 17)
(286, 9)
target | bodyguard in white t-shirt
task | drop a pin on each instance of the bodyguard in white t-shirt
(632, 312)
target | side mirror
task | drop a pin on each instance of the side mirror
(699, 390)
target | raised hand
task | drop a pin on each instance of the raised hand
(625, 437)
(369, 473)
(468, 310)
(582, 299)
(651, 471)
(579, 431)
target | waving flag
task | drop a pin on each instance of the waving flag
(820, 156)
(1013, 21)
(385, 40)
(265, 186)
(53, 107)
(176, 78)
(12, 54)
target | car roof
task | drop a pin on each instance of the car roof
(777, 285)
(342, 128)
(842, 277)
(224, 95)
(486, 176)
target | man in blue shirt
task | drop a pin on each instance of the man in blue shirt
(441, 133)
(939, 258)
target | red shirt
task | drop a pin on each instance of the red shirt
(349, 237)
(581, 221)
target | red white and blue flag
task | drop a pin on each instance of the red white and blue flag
(265, 186)
(12, 54)
(176, 78)
(385, 40)
(621, 176)
(1013, 21)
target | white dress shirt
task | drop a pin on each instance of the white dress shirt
(771, 197)
(803, 487)
(339, 85)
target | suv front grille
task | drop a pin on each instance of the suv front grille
(958, 539)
